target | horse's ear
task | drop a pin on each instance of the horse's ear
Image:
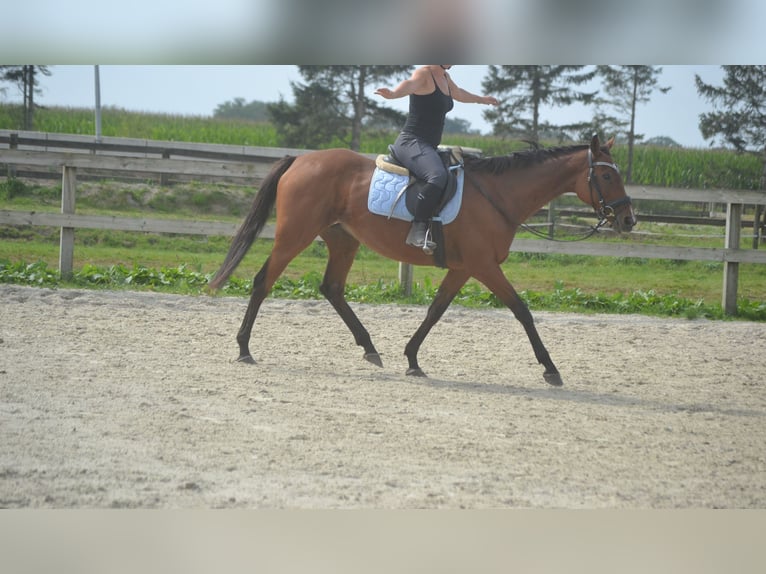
(610, 143)
(595, 145)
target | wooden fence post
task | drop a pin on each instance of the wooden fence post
(552, 219)
(731, 268)
(13, 144)
(164, 177)
(405, 278)
(66, 248)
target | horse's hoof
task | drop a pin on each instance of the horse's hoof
(553, 379)
(415, 372)
(247, 359)
(374, 358)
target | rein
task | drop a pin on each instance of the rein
(605, 212)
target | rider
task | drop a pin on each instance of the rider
(431, 92)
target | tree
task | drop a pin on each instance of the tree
(662, 141)
(237, 108)
(332, 103)
(628, 86)
(740, 114)
(739, 117)
(313, 120)
(524, 90)
(602, 124)
(25, 78)
(458, 126)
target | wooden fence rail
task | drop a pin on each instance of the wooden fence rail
(246, 164)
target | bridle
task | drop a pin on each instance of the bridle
(606, 211)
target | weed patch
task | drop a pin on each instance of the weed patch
(184, 280)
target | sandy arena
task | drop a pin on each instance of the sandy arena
(132, 400)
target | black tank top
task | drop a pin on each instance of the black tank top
(427, 113)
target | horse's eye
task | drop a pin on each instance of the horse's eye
(607, 176)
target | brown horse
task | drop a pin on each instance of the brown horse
(324, 193)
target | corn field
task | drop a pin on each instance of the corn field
(652, 166)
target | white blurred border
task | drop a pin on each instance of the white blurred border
(361, 31)
(382, 542)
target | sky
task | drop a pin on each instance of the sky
(197, 90)
(187, 57)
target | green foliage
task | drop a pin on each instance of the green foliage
(11, 188)
(643, 302)
(691, 168)
(331, 106)
(628, 86)
(652, 165)
(26, 79)
(117, 122)
(523, 90)
(739, 117)
(312, 120)
(182, 280)
(238, 109)
(35, 274)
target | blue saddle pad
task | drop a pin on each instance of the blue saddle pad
(386, 186)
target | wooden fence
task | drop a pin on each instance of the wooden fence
(77, 156)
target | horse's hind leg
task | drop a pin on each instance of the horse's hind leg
(342, 248)
(257, 295)
(264, 281)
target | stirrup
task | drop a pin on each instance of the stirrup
(420, 236)
(428, 244)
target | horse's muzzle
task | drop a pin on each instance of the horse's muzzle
(624, 220)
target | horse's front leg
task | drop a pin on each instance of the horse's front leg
(449, 287)
(496, 282)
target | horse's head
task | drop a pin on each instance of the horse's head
(603, 188)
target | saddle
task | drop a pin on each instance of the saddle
(446, 209)
(451, 156)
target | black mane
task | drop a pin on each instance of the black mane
(519, 159)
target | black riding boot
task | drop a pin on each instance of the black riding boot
(427, 200)
(420, 237)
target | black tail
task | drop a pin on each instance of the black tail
(254, 222)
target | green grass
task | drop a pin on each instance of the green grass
(549, 281)
(183, 263)
(546, 281)
(181, 279)
(698, 280)
(117, 122)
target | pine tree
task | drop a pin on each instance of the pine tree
(739, 118)
(332, 104)
(25, 77)
(740, 114)
(524, 90)
(628, 86)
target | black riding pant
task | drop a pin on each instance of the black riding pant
(422, 159)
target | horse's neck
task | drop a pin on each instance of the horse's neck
(537, 186)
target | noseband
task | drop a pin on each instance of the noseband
(606, 211)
